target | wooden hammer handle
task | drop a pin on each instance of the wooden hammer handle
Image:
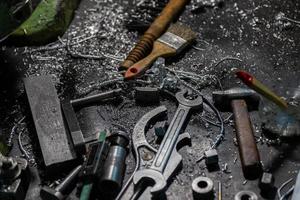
(249, 154)
(157, 28)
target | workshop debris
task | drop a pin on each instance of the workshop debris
(238, 99)
(211, 158)
(266, 185)
(96, 99)
(147, 95)
(220, 194)
(203, 188)
(110, 183)
(143, 14)
(245, 194)
(57, 150)
(177, 38)
(161, 128)
(266, 182)
(199, 6)
(156, 29)
(14, 178)
(63, 189)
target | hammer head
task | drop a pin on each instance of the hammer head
(222, 99)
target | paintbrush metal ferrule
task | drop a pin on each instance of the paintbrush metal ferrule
(173, 41)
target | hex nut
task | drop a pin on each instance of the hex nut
(203, 188)
(245, 194)
(211, 157)
(266, 182)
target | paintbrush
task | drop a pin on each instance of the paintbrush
(171, 43)
(262, 89)
(156, 29)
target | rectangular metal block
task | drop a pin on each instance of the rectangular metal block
(54, 142)
(73, 126)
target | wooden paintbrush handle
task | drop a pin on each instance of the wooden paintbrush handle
(157, 28)
(138, 68)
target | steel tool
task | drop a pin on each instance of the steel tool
(63, 189)
(203, 188)
(14, 178)
(142, 150)
(57, 150)
(155, 173)
(68, 109)
(93, 165)
(245, 194)
(239, 98)
(110, 182)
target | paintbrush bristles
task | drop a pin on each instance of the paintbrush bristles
(182, 31)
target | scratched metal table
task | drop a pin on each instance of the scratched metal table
(251, 31)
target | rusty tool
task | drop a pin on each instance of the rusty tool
(157, 28)
(167, 149)
(169, 44)
(239, 98)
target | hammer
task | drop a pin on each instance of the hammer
(239, 98)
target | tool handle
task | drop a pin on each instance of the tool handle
(249, 154)
(141, 66)
(157, 28)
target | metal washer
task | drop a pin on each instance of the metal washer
(245, 194)
(202, 188)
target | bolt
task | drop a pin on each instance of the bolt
(63, 189)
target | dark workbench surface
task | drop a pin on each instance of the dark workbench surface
(247, 30)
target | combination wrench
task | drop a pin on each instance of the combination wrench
(155, 173)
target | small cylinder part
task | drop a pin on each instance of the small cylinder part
(203, 188)
(245, 194)
(114, 166)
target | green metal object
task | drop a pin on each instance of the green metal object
(13, 13)
(88, 186)
(49, 20)
(3, 147)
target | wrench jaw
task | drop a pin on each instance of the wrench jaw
(156, 178)
(194, 104)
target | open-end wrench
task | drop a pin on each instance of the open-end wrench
(140, 146)
(155, 173)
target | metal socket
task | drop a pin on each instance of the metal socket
(114, 167)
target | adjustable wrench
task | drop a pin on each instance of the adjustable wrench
(155, 173)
